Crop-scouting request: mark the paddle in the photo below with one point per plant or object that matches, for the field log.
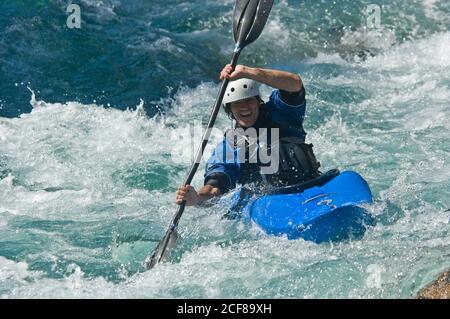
(249, 19)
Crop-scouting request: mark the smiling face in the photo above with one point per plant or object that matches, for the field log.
(246, 111)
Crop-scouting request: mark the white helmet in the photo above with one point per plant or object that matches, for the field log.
(241, 89)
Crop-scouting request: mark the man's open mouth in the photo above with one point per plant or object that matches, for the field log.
(245, 114)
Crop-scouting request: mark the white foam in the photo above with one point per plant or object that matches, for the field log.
(323, 58)
(430, 53)
(3, 132)
(65, 159)
(431, 10)
(15, 275)
(103, 11)
(213, 281)
(363, 39)
(7, 183)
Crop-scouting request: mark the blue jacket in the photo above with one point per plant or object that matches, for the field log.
(286, 112)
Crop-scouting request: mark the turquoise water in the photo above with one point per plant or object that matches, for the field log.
(93, 146)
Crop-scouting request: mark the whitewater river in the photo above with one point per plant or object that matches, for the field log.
(94, 143)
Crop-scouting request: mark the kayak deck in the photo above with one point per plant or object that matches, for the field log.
(322, 213)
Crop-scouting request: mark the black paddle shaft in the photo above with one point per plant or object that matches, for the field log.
(205, 138)
(154, 259)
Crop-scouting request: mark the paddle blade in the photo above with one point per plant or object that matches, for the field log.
(238, 15)
(163, 250)
(249, 19)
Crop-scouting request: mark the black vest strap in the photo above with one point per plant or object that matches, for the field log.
(297, 162)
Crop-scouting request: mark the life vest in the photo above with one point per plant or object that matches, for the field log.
(297, 162)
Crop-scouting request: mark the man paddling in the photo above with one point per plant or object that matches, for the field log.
(284, 112)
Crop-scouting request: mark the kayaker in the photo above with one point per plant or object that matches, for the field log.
(284, 112)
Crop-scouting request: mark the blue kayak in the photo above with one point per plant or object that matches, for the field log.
(329, 211)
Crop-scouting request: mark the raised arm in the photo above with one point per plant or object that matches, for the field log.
(281, 80)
